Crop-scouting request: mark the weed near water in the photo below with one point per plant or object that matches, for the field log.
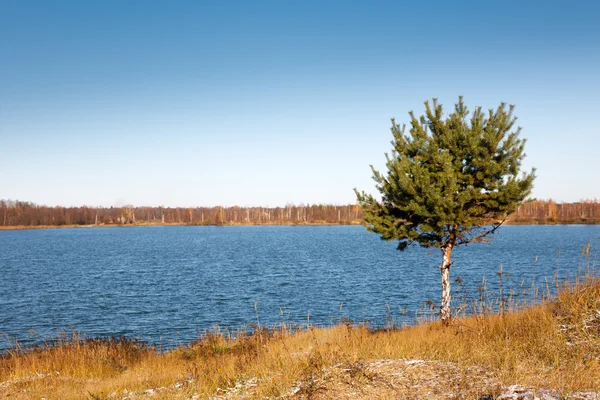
(535, 339)
(555, 344)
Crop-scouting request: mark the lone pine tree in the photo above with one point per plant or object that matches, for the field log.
(452, 180)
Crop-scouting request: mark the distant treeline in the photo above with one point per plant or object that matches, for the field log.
(21, 213)
(550, 212)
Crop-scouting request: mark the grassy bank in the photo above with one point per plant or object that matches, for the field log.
(553, 345)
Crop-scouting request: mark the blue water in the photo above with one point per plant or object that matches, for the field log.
(167, 284)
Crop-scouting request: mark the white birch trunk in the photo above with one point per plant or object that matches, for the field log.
(445, 305)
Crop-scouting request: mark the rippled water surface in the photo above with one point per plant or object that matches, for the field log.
(165, 284)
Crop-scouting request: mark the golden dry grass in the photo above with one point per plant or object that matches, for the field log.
(552, 345)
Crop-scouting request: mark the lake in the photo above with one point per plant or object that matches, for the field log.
(167, 284)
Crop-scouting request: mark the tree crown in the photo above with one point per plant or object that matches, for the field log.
(450, 180)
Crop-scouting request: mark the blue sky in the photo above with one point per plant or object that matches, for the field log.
(267, 103)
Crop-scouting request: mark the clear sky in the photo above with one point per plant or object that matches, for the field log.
(253, 103)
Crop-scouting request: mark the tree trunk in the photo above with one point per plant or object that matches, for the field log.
(445, 305)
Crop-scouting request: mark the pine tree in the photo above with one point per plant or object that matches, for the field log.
(451, 181)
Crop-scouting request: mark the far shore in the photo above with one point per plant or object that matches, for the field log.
(510, 222)
(22, 227)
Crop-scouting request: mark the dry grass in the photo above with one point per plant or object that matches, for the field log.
(552, 345)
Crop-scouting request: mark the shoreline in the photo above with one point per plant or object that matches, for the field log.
(26, 227)
(524, 352)
(71, 226)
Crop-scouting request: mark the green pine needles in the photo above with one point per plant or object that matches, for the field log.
(452, 180)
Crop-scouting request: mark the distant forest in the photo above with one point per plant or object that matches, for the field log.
(550, 212)
(17, 213)
(21, 213)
